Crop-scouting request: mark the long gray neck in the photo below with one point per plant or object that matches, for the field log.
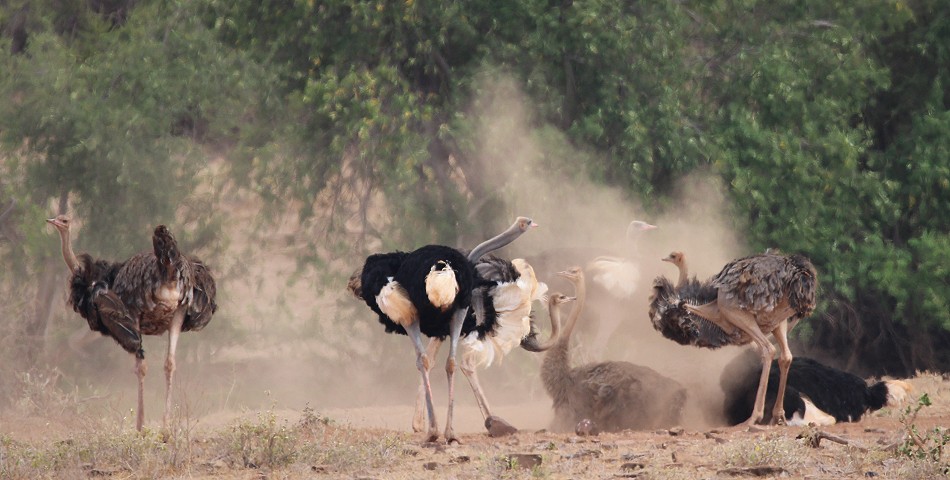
(580, 289)
(495, 243)
(71, 261)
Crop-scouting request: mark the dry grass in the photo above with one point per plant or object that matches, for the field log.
(268, 444)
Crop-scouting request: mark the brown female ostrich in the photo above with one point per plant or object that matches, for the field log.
(150, 293)
(614, 395)
(750, 298)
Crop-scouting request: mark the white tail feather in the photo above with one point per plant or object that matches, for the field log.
(512, 302)
(616, 275)
(393, 300)
(813, 416)
(441, 287)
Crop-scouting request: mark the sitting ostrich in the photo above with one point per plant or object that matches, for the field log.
(750, 298)
(149, 294)
(427, 292)
(815, 393)
(613, 395)
(500, 319)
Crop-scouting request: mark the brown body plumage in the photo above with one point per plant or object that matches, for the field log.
(149, 294)
(613, 395)
(758, 295)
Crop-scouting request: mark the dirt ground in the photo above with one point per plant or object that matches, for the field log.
(376, 443)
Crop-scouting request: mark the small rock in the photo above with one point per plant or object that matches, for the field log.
(676, 431)
(498, 427)
(633, 466)
(430, 465)
(870, 474)
(526, 461)
(318, 468)
(461, 459)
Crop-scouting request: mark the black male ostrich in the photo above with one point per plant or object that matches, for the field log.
(755, 296)
(427, 292)
(613, 395)
(815, 393)
(150, 293)
(500, 319)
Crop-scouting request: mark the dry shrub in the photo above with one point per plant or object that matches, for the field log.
(343, 449)
(773, 451)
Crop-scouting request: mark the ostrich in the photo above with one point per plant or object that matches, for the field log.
(815, 393)
(614, 395)
(427, 292)
(614, 280)
(499, 320)
(148, 294)
(620, 275)
(750, 298)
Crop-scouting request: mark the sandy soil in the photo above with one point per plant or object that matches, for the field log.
(868, 451)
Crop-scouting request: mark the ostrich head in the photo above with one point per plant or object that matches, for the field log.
(638, 226)
(61, 222)
(524, 223)
(676, 258)
(573, 274)
(557, 299)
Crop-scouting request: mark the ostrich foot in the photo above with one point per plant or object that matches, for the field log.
(498, 427)
(778, 420)
(432, 437)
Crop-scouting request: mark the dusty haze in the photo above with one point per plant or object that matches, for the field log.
(289, 346)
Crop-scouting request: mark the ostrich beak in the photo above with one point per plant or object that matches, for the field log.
(666, 259)
(647, 226)
(54, 222)
(570, 299)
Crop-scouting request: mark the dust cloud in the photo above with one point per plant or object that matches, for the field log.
(288, 345)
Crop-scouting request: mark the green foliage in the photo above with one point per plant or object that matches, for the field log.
(927, 445)
(108, 118)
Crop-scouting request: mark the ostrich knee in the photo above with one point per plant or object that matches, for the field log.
(450, 366)
(422, 363)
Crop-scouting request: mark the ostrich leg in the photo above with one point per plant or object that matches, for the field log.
(173, 332)
(471, 373)
(457, 319)
(423, 364)
(140, 369)
(419, 417)
(746, 322)
(784, 362)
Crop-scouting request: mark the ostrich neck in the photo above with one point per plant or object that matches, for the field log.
(556, 367)
(580, 291)
(495, 243)
(684, 274)
(71, 261)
